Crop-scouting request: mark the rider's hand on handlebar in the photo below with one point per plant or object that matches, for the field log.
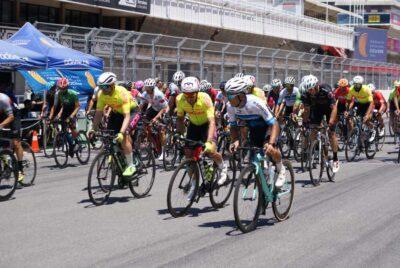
(210, 147)
(233, 147)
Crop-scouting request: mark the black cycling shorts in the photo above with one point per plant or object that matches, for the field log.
(197, 133)
(362, 108)
(150, 113)
(258, 135)
(14, 126)
(317, 113)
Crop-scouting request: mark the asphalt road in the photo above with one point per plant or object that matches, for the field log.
(350, 223)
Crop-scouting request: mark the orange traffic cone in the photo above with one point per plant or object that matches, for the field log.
(35, 142)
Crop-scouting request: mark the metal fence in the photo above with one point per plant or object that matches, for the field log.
(135, 55)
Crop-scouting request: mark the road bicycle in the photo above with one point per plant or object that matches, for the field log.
(360, 139)
(108, 166)
(319, 159)
(172, 151)
(49, 133)
(8, 174)
(185, 186)
(64, 140)
(255, 189)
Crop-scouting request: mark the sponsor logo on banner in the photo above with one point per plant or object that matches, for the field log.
(370, 44)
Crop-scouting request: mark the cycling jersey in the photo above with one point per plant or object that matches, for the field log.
(320, 104)
(200, 112)
(378, 99)
(258, 93)
(341, 94)
(172, 91)
(393, 93)
(220, 98)
(255, 113)
(67, 98)
(120, 101)
(213, 94)
(289, 99)
(363, 96)
(273, 98)
(157, 102)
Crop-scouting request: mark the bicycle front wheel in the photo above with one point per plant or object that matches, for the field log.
(8, 174)
(284, 197)
(220, 194)
(316, 163)
(183, 188)
(48, 138)
(82, 148)
(247, 200)
(101, 178)
(145, 172)
(170, 153)
(60, 150)
(29, 165)
(351, 148)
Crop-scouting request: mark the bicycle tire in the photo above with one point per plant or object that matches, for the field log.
(352, 140)
(103, 157)
(228, 185)
(48, 139)
(60, 142)
(151, 162)
(196, 175)
(370, 154)
(281, 216)
(29, 160)
(170, 149)
(8, 173)
(297, 145)
(82, 142)
(315, 180)
(240, 223)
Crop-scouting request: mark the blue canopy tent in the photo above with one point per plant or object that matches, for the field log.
(18, 58)
(58, 56)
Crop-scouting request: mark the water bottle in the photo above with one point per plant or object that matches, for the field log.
(209, 172)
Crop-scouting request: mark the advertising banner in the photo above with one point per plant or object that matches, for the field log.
(370, 44)
(80, 81)
(393, 45)
(293, 6)
(142, 6)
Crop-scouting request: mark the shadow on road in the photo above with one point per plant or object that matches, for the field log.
(110, 201)
(192, 212)
(232, 224)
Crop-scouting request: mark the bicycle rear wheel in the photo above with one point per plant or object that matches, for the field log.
(170, 152)
(8, 174)
(316, 163)
(184, 181)
(82, 148)
(284, 197)
(145, 174)
(61, 148)
(220, 194)
(247, 200)
(48, 138)
(29, 165)
(101, 178)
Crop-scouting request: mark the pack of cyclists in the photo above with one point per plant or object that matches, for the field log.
(252, 116)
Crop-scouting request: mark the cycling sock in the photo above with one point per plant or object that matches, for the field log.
(221, 165)
(335, 158)
(129, 159)
(279, 166)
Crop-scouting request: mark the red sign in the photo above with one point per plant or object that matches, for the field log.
(395, 19)
(393, 44)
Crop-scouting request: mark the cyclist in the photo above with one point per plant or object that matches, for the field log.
(174, 90)
(273, 95)
(93, 101)
(48, 101)
(259, 120)
(69, 107)
(361, 97)
(206, 87)
(289, 98)
(318, 102)
(394, 108)
(157, 103)
(122, 105)
(252, 89)
(200, 110)
(10, 118)
(380, 105)
(220, 104)
(136, 89)
(340, 94)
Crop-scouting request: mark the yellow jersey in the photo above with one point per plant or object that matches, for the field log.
(364, 96)
(120, 101)
(258, 93)
(200, 112)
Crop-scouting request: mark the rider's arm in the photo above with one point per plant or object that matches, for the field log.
(125, 123)
(96, 120)
(90, 105)
(7, 121)
(77, 106)
(332, 119)
(274, 133)
(44, 106)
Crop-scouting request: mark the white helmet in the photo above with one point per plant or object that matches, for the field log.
(106, 79)
(150, 82)
(276, 83)
(358, 79)
(236, 85)
(190, 84)
(302, 88)
(203, 85)
(250, 80)
(310, 81)
(290, 80)
(266, 88)
(178, 76)
(372, 87)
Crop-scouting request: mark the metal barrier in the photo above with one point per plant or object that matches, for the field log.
(136, 55)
